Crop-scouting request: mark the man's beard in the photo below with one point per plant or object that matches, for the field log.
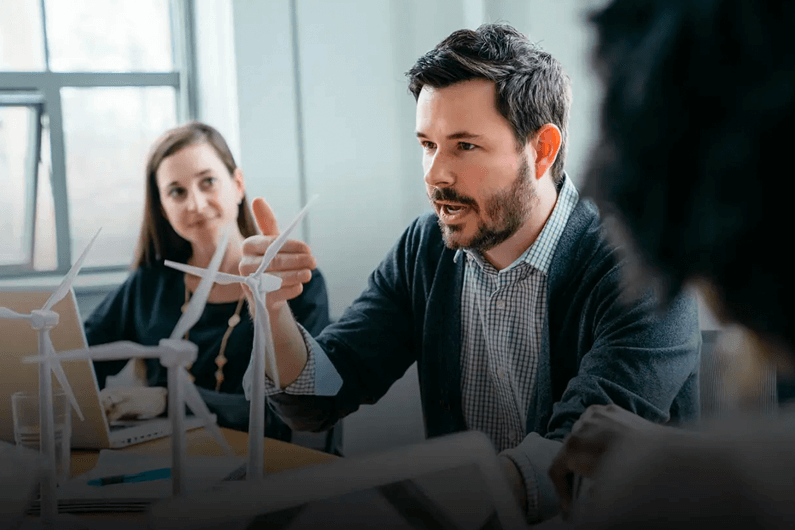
(508, 209)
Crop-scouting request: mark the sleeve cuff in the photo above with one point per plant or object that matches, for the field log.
(532, 458)
(318, 378)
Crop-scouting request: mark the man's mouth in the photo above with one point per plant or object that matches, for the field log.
(451, 211)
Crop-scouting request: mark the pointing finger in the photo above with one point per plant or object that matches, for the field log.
(264, 217)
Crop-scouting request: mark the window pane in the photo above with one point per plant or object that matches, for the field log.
(45, 256)
(21, 40)
(109, 35)
(108, 133)
(16, 133)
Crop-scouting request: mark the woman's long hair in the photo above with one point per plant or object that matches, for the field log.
(157, 240)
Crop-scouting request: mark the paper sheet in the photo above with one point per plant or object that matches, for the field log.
(202, 472)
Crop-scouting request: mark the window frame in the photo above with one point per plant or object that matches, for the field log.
(34, 101)
(49, 84)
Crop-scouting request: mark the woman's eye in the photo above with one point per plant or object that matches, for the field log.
(176, 193)
(208, 182)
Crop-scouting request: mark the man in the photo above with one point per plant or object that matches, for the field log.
(507, 296)
(696, 142)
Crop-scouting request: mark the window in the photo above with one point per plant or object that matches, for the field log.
(86, 87)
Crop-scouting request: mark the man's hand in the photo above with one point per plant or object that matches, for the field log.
(293, 264)
(133, 403)
(599, 429)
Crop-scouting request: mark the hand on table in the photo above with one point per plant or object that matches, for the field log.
(133, 402)
(599, 429)
(293, 264)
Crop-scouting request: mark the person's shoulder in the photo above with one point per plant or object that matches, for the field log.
(425, 228)
(425, 222)
(586, 255)
(585, 233)
(423, 238)
(151, 275)
(585, 219)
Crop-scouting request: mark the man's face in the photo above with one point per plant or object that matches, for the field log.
(480, 185)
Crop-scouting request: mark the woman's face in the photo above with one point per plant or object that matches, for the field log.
(198, 195)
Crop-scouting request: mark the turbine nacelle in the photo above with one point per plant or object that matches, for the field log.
(43, 319)
(177, 352)
(264, 283)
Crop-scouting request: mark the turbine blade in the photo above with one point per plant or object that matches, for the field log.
(279, 242)
(197, 405)
(184, 267)
(270, 282)
(225, 279)
(57, 369)
(111, 351)
(66, 283)
(196, 305)
(7, 313)
(220, 277)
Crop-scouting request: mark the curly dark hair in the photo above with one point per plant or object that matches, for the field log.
(532, 88)
(696, 123)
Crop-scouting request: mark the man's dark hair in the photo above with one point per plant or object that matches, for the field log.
(695, 147)
(532, 88)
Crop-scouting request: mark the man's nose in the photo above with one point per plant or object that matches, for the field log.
(439, 171)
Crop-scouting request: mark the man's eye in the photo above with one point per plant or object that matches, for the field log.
(428, 146)
(466, 146)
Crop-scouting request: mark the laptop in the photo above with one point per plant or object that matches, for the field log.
(454, 482)
(18, 340)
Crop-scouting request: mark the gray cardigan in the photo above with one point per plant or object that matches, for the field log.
(597, 347)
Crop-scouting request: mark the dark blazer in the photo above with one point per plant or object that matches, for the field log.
(598, 347)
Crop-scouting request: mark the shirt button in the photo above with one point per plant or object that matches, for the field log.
(501, 373)
(500, 304)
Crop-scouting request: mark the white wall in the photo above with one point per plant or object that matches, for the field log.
(360, 153)
(216, 72)
(266, 99)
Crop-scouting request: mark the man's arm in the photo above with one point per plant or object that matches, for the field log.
(368, 349)
(639, 359)
(293, 264)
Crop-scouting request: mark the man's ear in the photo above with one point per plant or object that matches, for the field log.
(546, 145)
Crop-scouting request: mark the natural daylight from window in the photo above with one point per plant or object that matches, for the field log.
(85, 89)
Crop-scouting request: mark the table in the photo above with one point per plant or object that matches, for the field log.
(279, 456)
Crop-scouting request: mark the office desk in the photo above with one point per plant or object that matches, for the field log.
(279, 456)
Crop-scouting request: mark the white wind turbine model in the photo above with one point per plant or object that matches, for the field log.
(260, 284)
(175, 353)
(43, 320)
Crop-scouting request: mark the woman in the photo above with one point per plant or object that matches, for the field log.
(194, 190)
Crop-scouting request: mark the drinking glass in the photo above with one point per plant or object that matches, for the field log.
(25, 411)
